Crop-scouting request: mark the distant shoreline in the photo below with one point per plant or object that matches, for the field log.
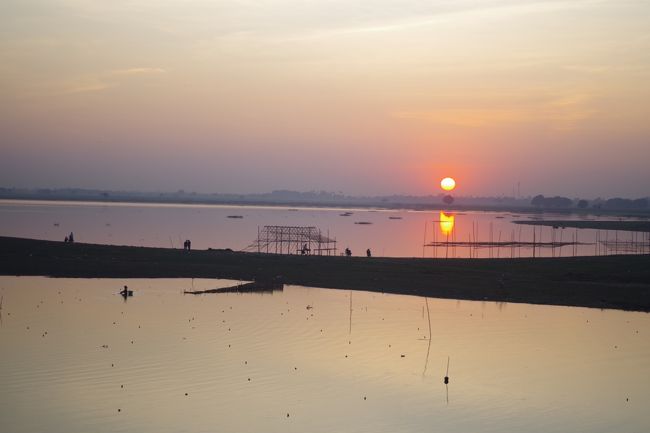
(617, 282)
(341, 206)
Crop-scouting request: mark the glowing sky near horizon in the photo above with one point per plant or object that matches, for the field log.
(364, 97)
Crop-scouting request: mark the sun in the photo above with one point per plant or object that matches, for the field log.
(448, 184)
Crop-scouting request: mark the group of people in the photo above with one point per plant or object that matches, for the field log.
(69, 238)
(348, 252)
(187, 245)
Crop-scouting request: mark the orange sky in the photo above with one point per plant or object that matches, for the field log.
(366, 98)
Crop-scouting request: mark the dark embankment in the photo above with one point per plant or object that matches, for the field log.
(621, 282)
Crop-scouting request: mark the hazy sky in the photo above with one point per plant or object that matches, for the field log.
(359, 96)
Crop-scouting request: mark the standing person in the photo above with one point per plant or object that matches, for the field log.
(189, 245)
(71, 238)
(184, 245)
(368, 253)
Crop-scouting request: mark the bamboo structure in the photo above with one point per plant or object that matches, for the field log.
(305, 240)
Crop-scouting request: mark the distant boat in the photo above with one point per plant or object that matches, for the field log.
(235, 216)
(345, 214)
(126, 292)
(394, 218)
(363, 222)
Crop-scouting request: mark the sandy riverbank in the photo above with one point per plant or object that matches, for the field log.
(621, 282)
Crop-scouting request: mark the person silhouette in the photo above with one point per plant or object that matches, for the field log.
(368, 253)
(71, 238)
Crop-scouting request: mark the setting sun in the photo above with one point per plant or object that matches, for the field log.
(448, 184)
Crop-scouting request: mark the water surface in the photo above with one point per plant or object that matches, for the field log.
(77, 358)
(392, 233)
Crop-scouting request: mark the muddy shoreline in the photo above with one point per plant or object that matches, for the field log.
(618, 282)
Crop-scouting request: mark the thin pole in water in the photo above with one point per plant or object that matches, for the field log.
(447, 373)
(447, 247)
(499, 245)
(426, 362)
(425, 237)
(350, 329)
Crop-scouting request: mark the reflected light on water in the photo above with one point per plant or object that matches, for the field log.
(446, 223)
(76, 358)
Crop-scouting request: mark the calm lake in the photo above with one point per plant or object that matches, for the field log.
(396, 233)
(75, 357)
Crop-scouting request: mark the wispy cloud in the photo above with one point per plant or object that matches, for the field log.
(137, 71)
(560, 113)
(83, 85)
(448, 10)
(100, 82)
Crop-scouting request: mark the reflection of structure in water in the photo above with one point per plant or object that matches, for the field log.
(258, 286)
(304, 240)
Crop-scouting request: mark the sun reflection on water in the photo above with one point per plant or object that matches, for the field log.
(446, 223)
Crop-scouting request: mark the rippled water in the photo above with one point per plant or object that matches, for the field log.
(76, 358)
(394, 233)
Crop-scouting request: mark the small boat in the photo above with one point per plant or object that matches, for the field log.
(394, 218)
(363, 223)
(235, 216)
(345, 214)
(126, 292)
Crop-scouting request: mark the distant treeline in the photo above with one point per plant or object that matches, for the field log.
(278, 197)
(326, 198)
(617, 203)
